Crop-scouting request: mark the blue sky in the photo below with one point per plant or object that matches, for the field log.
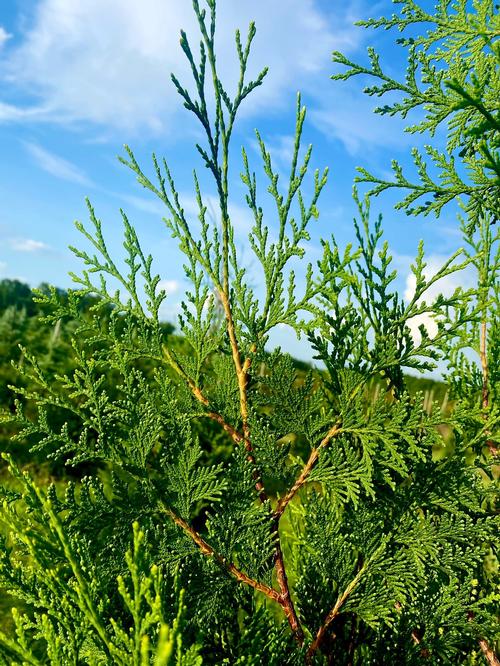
(80, 79)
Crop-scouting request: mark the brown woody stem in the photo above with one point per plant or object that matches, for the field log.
(424, 652)
(306, 471)
(316, 644)
(195, 390)
(285, 597)
(227, 427)
(488, 653)
(208, 551)
(242, 370)
(484, 365)
(201, 397)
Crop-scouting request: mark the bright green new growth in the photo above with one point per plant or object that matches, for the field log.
(60, 584)
(335, 530)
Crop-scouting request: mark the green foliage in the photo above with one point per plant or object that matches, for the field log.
(330, 530)
(71, 621)
(453, 80)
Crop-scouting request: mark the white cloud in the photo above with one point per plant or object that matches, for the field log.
(4, 36)
(280, 147)
(12, 113)
(152, 206)
(170, 286)
(108, 61)
(445, 286)
(3, 266)
(346, 114)
(28, 245)
(241, 216)
(57, 166)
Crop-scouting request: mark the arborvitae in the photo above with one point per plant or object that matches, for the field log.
(336, 531)
(452, 79)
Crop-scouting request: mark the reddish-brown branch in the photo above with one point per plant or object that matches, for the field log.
(232, 432)
(242, 370)
(242, 376)
(231, 332)
(243, 384)
(306, 471)
(201, 397)
(320, 635)
(424, 652)
(484, 365)
(208, 551)
(195, 390)
(288, 606)
(488, 652)
(285, 597)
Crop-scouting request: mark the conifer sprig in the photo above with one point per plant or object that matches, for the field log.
(60, 583)
(453, 77)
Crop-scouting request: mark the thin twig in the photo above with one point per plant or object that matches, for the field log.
(201, 397)
(242, 370)
(484, 365)
(424, 652)
(232, 432)
(306, 471)
(175, 365)
(489, 654)
(284, 598)
(207, 550)
(316, 644)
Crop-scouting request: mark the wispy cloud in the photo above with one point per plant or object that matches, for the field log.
(28, 245)
(346, 114)
(121, 53)
(57, 166)
(151, 206)
(241, 216)
(12, 113)
(281, 149)
(4, 36)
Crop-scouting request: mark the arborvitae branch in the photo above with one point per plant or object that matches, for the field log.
(306, 471)
(452, 75)
(320, 634)
(208, 551)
